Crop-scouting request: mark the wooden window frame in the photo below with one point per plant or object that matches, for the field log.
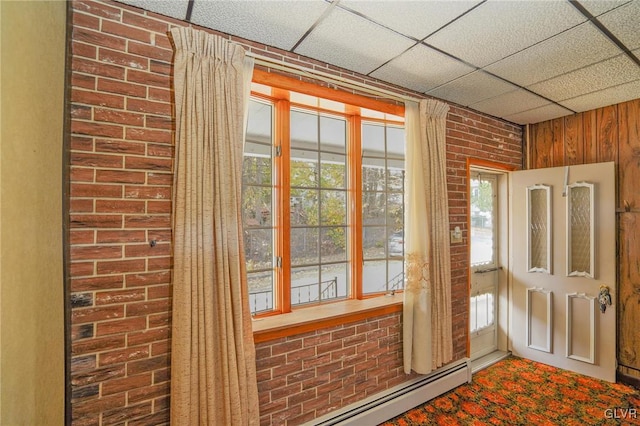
(288, 320)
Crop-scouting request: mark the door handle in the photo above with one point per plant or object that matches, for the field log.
(484, 271)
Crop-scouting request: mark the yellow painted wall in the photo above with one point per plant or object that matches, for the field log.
(32, 36)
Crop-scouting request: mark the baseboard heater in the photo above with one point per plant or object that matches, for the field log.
(385, 405)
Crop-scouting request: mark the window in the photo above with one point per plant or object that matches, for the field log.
(323, 197)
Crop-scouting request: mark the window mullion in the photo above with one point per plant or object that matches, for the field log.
(354, 201)
(282, 235)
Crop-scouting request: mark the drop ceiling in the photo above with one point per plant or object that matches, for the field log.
(522, 60)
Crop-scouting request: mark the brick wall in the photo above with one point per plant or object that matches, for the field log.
(120, 164)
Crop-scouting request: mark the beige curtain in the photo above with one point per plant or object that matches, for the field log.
(213, 377)
(427, 298)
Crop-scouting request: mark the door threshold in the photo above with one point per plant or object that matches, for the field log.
(487, 360)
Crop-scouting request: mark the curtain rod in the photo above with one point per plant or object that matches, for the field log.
(327, 78)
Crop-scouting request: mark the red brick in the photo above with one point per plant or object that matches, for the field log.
(119, 296)
(95, 252)
(96, 283)
(81, 206)
(84, 315)
(122, 415)
(144, 22)
(126, 31)
(81, 174)
(152, 52)
(154, 150)
(119, 206)
(81, 237)
(148, 336)
(96, 129)
(146, 250)
(150, 107)
(152, 221)
(147, 392)
(146, 308)
(81, 112)
(127, 236)
(161, 320)
(80, 143)
(148, 192)
(97, 99)
(159, 178)
(124, 147)
(135, 367)
(120, 326)
(158, 122)
(97, 38)
(148, 78)
(96, 221)
(119, 176)
(152, 278)
(158, 207)
(123, 59)
(147, 163)
(148, 135)
(120, 266)
(131, 353)
(90, 190)
(87, 21)
(158, 263)
(119, 117)
(87, 346)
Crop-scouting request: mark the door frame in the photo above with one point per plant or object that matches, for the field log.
(502, 318)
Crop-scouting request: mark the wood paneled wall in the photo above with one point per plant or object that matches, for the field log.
(606, 134)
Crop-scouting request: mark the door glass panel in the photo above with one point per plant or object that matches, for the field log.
(483, 236)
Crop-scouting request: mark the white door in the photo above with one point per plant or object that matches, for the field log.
(483, 314)
(563, 254)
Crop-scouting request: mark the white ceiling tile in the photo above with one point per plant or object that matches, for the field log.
(415, 19)
(421, 69)
(598, 7)
(279, 23)
(610, 96)
(612, 72)
(624, 23)
(536, 115)
(346, 40)
(472, 88)
(578, 47)
(497, 29)
(174, 8)
(510, 103)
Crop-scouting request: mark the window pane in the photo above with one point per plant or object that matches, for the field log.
(304, 172)
(304, 130)
(373, 208)
(333, 244)
(395, 210)
(304, 246)
(482, 224)
(334, 208)
(256, 206)
(383, 205)
(396, 177)
(373, 140)
(260, 122)
(261, 291)
(374, 241)
(258, 249)
(395, 142)
(333, 170)
(304, 207)
(333, 135)
(305, 285)
(334, 281)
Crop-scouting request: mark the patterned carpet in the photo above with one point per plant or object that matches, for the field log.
(517, 391)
